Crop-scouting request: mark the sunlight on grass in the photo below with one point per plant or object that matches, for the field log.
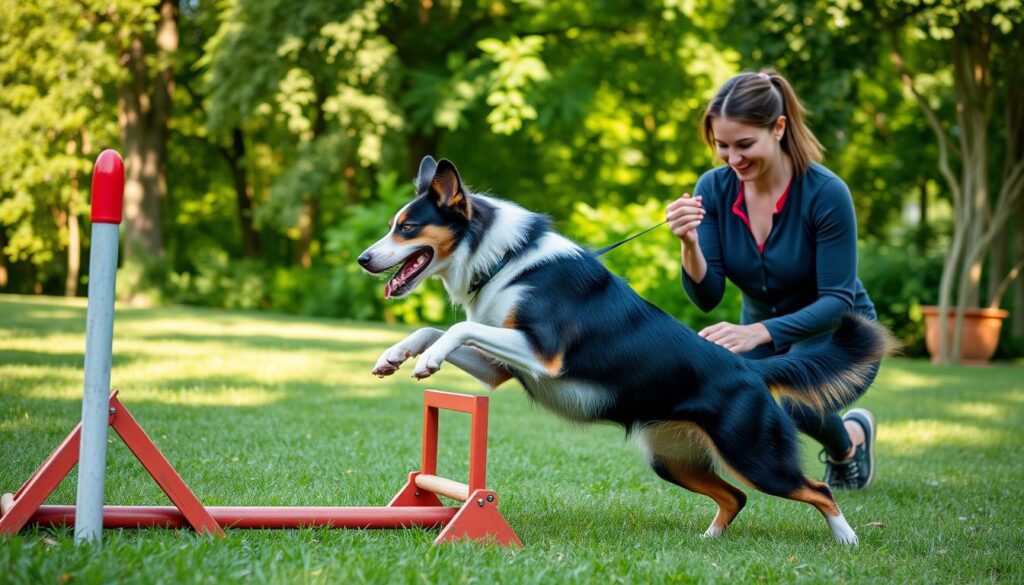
(38, 378)
(982, 410)
(381, 392)
(1015, 396)
(55, 344)
(225, 326)
(916, 436)
(15, 424)
(56, 314)
(49, 302)
(904, 380)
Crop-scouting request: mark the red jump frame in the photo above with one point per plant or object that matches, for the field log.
(415, 505)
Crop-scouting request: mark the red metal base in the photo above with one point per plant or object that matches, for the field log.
(257, 517)
(17, 510)
(477, 519)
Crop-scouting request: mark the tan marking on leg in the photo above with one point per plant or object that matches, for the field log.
(510, 320)
(812, 494)
(730, 499)
(671, 437)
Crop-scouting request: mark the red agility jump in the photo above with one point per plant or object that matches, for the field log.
(416, 504)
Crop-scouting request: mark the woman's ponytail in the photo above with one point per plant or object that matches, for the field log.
(798, 141)
(759, 99)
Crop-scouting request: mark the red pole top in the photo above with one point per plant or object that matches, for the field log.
(107, 188)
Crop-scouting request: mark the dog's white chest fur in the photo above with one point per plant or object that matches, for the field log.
(572, 399)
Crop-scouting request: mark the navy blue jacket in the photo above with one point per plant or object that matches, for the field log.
(804, 278)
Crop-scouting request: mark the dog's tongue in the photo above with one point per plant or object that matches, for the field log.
(410, 266)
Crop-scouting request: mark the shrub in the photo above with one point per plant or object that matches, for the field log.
(900, 279)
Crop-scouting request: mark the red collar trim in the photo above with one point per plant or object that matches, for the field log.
(739, 211)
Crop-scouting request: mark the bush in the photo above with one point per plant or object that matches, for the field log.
(219, 281)
(900, 279)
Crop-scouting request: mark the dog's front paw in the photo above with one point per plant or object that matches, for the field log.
(389, 361)
(426, 366)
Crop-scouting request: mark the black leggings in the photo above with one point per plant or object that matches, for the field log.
(827, 429)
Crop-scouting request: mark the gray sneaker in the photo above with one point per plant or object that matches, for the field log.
(858, 471)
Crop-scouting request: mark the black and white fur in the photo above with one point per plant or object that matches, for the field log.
(586, 346)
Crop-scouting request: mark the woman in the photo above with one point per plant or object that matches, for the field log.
(781, 227)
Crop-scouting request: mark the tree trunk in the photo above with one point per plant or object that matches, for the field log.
(1017, 324)
(74, 241)
(997, 264)
(4, 272)
(1014, 153)
(308, 217)
(243, 195)
(307, 225)
(145, 108)
(924, 235)
(33, 271)
(972, 77)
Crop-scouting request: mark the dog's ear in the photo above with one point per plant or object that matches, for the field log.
(428, 166)
(447, 189)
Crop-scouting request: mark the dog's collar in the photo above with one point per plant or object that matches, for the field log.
(480, 281)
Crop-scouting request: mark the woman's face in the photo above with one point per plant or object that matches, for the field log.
(751, 151)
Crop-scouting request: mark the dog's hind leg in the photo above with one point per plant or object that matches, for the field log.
(764, 455)
(786, 481)
(819, 495)
(702, 479)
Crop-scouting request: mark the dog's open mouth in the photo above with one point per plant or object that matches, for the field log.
(405, 279)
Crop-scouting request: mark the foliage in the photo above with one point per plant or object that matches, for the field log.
(884, 269)
(296, 126)
(56, 114)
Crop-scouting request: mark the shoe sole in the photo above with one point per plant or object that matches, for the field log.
(864, 418)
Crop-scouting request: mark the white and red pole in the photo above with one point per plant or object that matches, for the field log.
(107, 202)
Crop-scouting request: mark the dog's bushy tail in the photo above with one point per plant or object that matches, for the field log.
(834, 374)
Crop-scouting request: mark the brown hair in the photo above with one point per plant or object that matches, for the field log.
(758, 99)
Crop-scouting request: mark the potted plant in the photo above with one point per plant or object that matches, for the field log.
(979, 335)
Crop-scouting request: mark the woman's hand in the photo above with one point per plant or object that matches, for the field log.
(684, 215)
(737, 338)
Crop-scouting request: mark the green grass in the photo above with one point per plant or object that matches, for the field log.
(256, 409)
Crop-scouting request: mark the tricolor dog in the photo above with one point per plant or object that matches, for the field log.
(583, 344)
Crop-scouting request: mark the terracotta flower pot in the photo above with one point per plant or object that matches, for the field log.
(980, 336)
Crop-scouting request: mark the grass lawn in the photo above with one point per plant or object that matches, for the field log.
(256, 409)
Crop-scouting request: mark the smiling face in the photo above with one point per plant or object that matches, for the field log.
(751, 151)
(423, 234)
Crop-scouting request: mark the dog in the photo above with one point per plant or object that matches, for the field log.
(543, 310)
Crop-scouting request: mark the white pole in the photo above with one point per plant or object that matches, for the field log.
(107, 197)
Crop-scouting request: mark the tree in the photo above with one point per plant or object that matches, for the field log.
(981, 42)
(55, 74)
(149, 39)
(314, 80)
